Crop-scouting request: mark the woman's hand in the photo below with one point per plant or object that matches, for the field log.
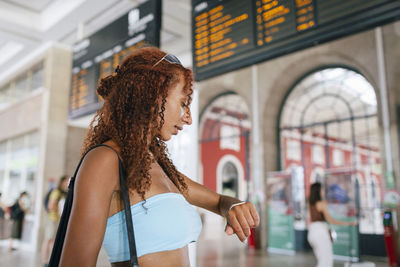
(240, 219)
(322, 207)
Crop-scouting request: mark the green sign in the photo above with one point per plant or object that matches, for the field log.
(389, 177)
(280, 230)
(342, 205)
(346, 243)
(280, 213)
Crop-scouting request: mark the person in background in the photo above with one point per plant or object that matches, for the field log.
(54, 211)
(18, 210)
(318, 231)
(3, 209)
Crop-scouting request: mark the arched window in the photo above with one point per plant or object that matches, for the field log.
(224, 144)
(329, 122)
(230, 179)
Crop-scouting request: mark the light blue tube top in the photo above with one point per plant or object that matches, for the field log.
(169, 223)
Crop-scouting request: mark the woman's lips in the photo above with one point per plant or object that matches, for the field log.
(177, 129)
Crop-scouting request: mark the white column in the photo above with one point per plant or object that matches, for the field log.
(257, 166)
(80, 31)
(41, 169)
(53, 128)
(389, 178)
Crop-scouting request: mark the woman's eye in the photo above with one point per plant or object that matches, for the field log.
(183, 104)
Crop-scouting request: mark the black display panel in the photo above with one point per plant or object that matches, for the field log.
(98, 55)
(232, 34)
(222, 32)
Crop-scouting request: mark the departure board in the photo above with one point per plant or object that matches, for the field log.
(222, 32)
(98, 55)
(231, 34)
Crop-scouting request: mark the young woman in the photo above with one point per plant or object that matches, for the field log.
(146, 101)
(318, 231)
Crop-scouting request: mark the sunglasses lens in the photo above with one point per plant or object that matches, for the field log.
(172, 59)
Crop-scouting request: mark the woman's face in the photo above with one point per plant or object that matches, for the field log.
(64, 185)
(176, 113)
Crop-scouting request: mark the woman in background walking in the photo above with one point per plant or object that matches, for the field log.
(318, 231)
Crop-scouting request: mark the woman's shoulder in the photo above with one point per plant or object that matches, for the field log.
(103, 153)
(100, 164)
(321, 204)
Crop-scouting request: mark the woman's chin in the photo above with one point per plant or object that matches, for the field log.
(165, 137)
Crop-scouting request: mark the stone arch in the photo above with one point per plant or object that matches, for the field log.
(281, 88)
(334, 125)
(224, 132)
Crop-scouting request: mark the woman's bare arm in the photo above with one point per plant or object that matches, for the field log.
(94, 185)
(240, 218)
(321, 207)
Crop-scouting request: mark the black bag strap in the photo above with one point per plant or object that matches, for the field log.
(63, 225)
(128, 216)
(62, 228)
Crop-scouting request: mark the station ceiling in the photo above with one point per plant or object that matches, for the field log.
(28, 27)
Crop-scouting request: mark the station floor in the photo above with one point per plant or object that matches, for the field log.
(213, 249)
(222, 252)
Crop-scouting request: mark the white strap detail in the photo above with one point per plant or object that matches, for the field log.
(237, 204)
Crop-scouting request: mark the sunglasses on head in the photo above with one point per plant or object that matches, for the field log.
(170, 59)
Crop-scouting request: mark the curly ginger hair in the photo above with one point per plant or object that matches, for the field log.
(133, 114)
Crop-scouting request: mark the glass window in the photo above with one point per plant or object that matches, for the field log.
(21, 86)
(37, 77)
(335, 113)
(16, 166)
(318, 154)
(32, 149)
(19, 172)
(14, 186)
(2, 174)
(230, 137)
(30, 184)
(5, 96)
(337, 157)
(3, 151)
(17, 149)
(229, 179)
(32, 152)
(293, 150)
